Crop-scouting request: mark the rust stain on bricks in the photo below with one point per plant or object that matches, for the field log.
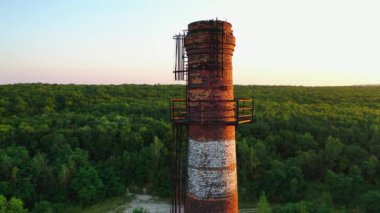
(212, 179)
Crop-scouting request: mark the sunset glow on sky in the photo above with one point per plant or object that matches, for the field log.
(294, 42)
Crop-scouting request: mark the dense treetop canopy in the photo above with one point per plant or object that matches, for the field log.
(309, 147)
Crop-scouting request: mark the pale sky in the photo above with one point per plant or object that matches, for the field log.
(284, 42)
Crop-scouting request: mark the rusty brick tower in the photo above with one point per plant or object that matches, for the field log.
(204, 122)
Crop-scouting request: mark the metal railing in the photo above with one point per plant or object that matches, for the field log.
(215, 112)
(180, 66)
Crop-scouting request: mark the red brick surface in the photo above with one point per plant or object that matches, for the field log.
(209, 46)
(223, 205)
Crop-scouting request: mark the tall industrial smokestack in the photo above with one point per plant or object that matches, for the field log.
(212, 179)
(211, 114)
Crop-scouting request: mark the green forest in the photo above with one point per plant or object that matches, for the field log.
(310, 149)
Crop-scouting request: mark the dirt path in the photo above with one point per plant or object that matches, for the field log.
(155, 205)
(149, 203)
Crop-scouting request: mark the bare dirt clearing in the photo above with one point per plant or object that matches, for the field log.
(149, 203)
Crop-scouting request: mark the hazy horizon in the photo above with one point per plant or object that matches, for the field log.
(170, 84)
(323, 43)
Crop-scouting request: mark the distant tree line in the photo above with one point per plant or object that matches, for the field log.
(311, 149)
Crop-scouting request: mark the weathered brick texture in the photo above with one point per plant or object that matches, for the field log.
(212, 179)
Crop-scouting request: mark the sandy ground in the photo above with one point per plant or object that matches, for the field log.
(154, 205)
(149, 203)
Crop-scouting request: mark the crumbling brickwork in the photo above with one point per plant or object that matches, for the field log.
(212, 178)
